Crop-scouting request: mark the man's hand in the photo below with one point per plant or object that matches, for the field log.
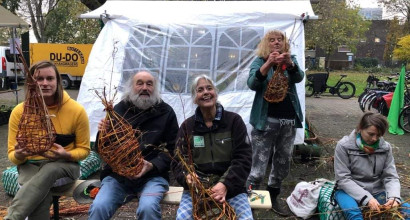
(145, 169)
(189, 178)
(219, 192)
(20, 153)
(57, 152)
(374, 205)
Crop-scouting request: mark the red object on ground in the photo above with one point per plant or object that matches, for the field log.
(388, 99)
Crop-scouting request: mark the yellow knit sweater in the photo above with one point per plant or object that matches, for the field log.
(71, 118)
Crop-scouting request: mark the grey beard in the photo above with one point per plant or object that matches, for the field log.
(143, 103)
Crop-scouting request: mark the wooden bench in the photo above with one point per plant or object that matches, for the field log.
(173, 196)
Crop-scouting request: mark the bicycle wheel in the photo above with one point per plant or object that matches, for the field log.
(404, 118)
(366, 100)
(346, 90)
(383, 109)
(361, 98)
(309, 90)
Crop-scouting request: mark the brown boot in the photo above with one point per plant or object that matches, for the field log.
(276, 206)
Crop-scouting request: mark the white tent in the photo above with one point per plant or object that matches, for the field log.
(8, 19)
(178, 40)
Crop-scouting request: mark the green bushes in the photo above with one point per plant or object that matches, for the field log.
(366, 62)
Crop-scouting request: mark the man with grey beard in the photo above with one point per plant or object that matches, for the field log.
(144, 109)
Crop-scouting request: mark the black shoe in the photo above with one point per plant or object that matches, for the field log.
(282, 210)
(279, 209)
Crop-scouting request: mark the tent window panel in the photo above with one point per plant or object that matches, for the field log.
(226, 81)
(242, 79)
(152, 57)
(154, 40)
(192, 75)
(176, 40)
(176, 81)
(177, 57)
(147, 35)
(132, 58)
(200, 58)
(250, 37)
(227, 59)
(225, 41)
(180, 36)
(247, 56)
(235, 35)
(201, 36)
(137, 38)
(126, 75)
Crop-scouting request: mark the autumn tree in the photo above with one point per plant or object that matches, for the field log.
(338, 25)
(402, 51)
(64, 26)
(57, 21)
(395, 31)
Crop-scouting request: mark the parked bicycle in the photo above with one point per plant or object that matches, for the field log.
(317, 84)
(404, 117)
(376, 93)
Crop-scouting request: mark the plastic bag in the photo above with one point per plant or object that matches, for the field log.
(304, 198)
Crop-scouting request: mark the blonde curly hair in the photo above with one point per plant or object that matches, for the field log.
(263, 49)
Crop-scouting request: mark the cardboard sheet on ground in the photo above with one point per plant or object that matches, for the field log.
(178, 40)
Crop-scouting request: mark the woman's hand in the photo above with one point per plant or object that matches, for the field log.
(57, 152)
(103, 123)
(219, 192)
(391, 203)
(374, 205)
(20, 153)
(273, 58)
(280, 58)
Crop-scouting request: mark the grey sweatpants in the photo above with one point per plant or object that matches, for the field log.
(277, 141)
(34, 197)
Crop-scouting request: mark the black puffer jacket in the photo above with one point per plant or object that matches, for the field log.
(159, 126)
(223, 150)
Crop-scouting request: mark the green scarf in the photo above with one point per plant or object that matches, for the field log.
(368, 148)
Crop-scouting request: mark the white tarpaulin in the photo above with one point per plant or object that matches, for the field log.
(8, 19)
(178, 40)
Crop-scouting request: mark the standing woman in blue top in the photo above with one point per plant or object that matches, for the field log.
(365, 172)
(274, 124)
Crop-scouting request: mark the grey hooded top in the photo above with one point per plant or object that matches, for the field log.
(362, 175)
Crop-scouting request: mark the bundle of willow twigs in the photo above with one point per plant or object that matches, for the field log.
(69, 207)
(118, 143)
(204, 206)
(36, 133)
(385, 213)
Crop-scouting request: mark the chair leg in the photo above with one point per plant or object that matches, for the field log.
(55, 207)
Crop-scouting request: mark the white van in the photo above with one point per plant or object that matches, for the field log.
(8, 69)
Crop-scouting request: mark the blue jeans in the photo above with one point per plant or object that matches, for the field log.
(351, 210)
(113, 194)
(239, 203)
